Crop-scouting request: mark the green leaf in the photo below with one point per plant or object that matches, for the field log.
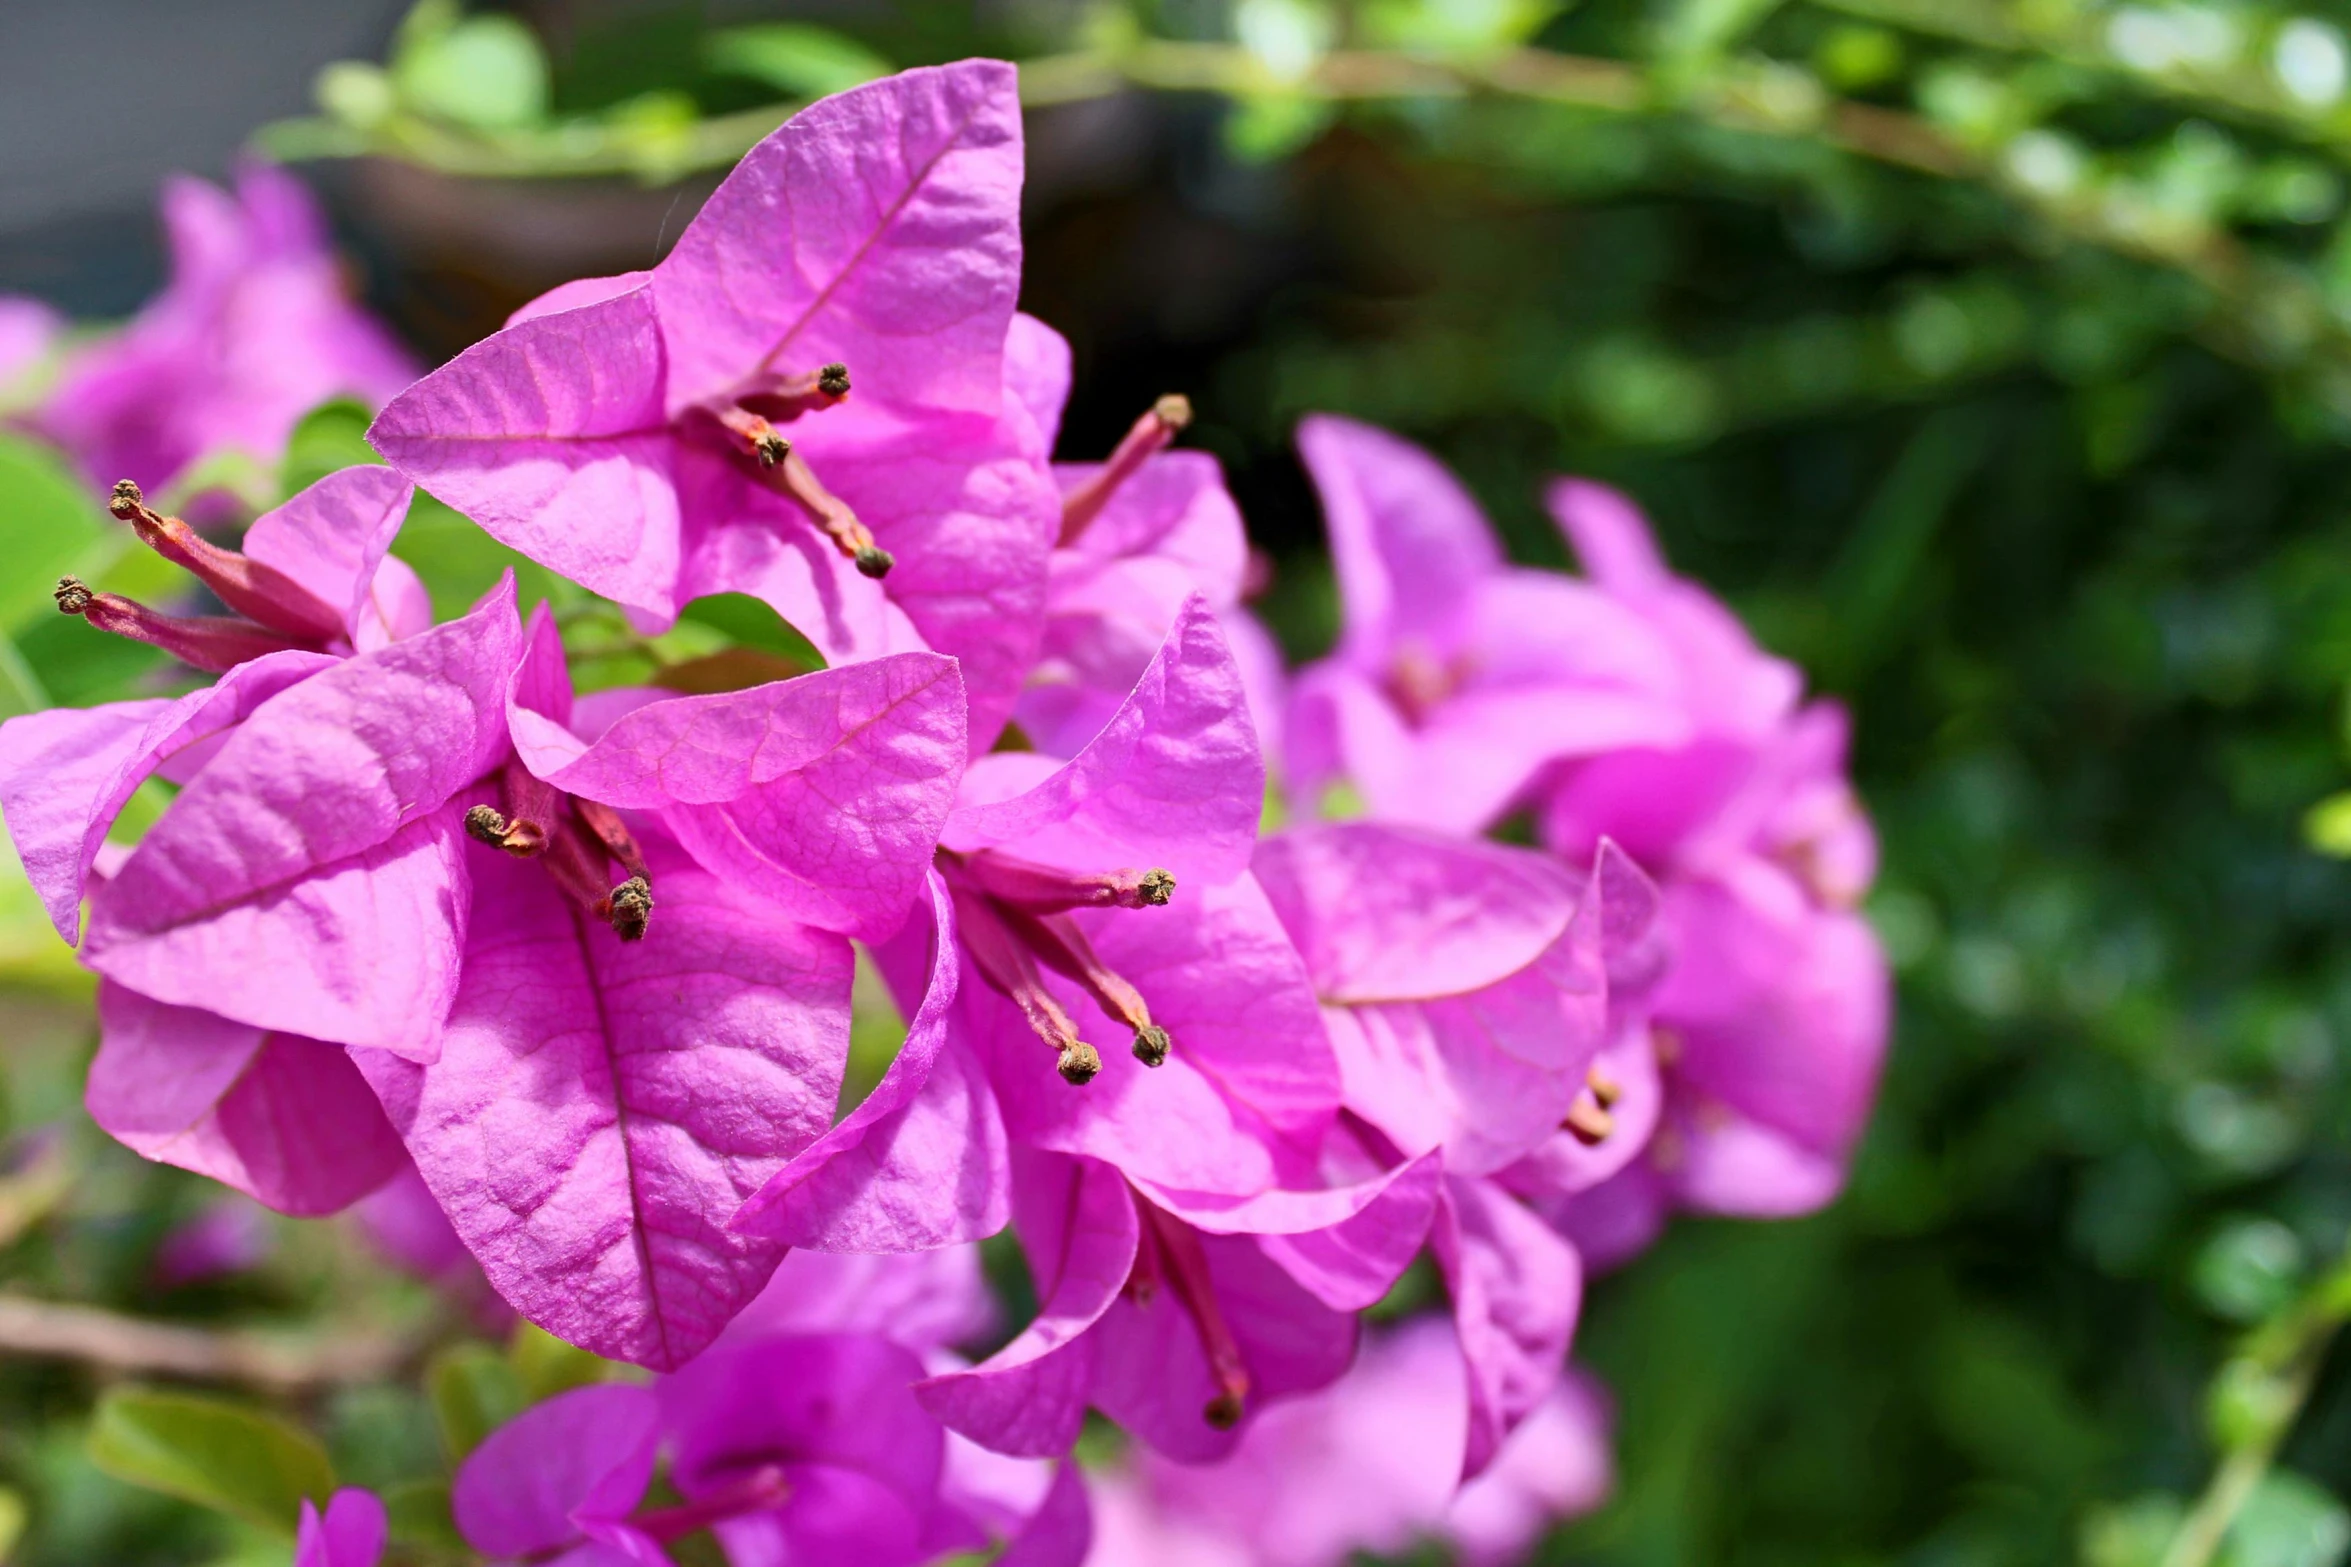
(474, 1391)
(235, 1459)
(486, 73)
(458, 562)
(2288, 1522)
(2326, 827)
(12, 1521)
(331, 436)
(753, 623)
(795, 59)
(418, 1511)
(49, 523)
(548, 1366)
(21, 690)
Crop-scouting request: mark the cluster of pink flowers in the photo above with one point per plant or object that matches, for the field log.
(580, 965)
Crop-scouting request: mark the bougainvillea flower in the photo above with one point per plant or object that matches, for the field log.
(283, 1118)
(1120, 987)
(690, 430)
(316, 567)
(1770, 1025)
(1139, 534)
(301, 882)
(622, 1067)
(559, 1482)
(349, 1534)
(1179, 1316)
(1466, 989)
(787, 1449)
(1362, 1467)
(1458, 678)
(253, 331)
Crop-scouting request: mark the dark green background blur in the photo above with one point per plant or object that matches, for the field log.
(2041, 466)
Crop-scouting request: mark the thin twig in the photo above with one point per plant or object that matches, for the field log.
(48, 1330)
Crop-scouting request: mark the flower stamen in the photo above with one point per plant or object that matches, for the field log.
(1148, 436)
(1183, 1263)
(259, 592)
(217, 643)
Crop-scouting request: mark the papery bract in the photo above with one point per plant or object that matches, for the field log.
(1457, 678)
(618, 430)
(1363, 1466)
(1246, 1090)
(557, 1484)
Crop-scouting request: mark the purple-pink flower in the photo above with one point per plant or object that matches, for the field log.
(1363, 1466)
(692, 429)
(254, 330)
(350, 1533)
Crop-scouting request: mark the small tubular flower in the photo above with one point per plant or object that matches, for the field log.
(1066, 1006)
(1179, 1315)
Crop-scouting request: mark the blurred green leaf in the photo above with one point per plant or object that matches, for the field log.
(546, 1365)
(231, 1457)
(794, 58)
(419, 1516)
(458, 562)
(49, 524)
(485, 72)
(474, 1390)
(2288, 1521)
(12, 1521)
(331, 436)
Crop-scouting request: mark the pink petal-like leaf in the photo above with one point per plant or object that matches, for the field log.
(823, 794)
(551, 434)
(921, 1162)
(332, 537)
(881, 228)
(65, 773)
(285, 1120)
(601, 1108)
(582, 1456)
(1517, 1288)
(1077, 1223)
(302, 881)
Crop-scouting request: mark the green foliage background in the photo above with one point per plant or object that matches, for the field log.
(1992, 356)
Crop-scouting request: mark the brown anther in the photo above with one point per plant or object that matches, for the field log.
(771, 448)
(73, 595)
(833, 379)
(1588, 1122)
(1151, 1045)
(1223, 1411)
(1156, 888)
(1604, 1088)
(629, 908)
(1174, 410)
(259, 592)
(519, 837)
(1079, 1063)
(874, 561)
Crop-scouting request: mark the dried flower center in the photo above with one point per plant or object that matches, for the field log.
(273, 612)
(577, 840)
(745, 420)
(1149, 436)
(1014, 921)
(1168, 1252)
